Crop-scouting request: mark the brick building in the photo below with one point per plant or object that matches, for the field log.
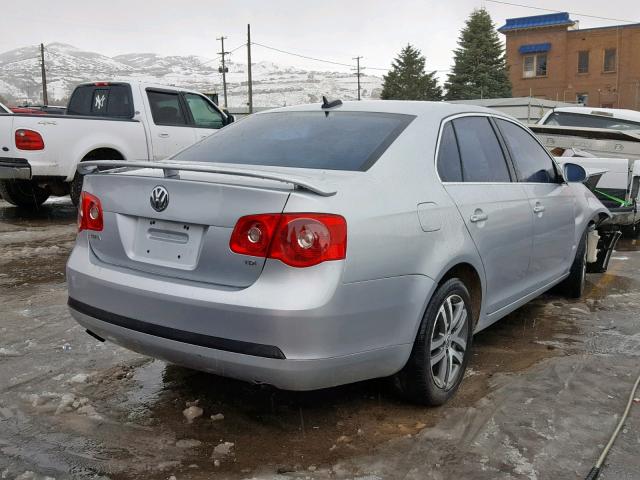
(550, 57)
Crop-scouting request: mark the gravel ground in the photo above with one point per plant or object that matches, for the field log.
(543, 393)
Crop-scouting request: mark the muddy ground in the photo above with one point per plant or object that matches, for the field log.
(542, 394)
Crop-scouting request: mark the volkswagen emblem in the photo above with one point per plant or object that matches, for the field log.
(159, 198)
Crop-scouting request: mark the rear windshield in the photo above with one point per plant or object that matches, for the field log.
(590, 121)
(112, 100)
(322, 140)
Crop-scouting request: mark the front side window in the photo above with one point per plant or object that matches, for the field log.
(305, 139)
(166, 108)
(449, 166)
(583, 61)
(480, 151)
(531, 160)
(203, 113)
(535, 65)
(609, 60)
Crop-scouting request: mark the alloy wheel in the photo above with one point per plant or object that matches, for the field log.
(449, 342)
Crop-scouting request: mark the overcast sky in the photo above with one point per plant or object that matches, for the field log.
(330, 29)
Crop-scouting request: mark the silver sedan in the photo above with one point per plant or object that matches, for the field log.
(318, 245)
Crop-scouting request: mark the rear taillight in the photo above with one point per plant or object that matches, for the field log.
(90, 213)
(28, 140)
(297, 239)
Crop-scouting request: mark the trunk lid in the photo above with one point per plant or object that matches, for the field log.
(189, 239)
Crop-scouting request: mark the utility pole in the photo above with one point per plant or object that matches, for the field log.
(45, 99)
(223, 70)
(249, 80)
(357, 59)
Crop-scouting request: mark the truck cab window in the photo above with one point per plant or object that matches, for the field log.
(204, 114)
(166, 108)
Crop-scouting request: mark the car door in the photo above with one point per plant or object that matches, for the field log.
(205, 117)
(494, 207)
(170, 129)
(551, 201)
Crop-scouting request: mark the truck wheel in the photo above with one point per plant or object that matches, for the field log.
(441, 351)
(573, 285)
(75, 188)
(23, 193)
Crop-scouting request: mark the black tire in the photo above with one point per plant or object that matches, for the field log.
(419, 381)
(75, 188)
(573, 286)
(23, 193)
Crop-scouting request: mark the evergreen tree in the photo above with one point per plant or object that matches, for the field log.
(480, 67)
(407, 79)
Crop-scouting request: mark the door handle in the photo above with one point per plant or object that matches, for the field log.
(163, 135)
(479, 216)
(538, 208)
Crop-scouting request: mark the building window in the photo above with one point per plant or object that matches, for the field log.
(582, 98)
(583, 61)
(535, 66)
(609, 60)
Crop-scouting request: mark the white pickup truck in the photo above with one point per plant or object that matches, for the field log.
(39, 154)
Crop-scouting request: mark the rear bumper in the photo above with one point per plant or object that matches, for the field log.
(288, 374)
(14, 169)
(297, 329)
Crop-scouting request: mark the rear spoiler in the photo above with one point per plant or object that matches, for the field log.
(171, 170)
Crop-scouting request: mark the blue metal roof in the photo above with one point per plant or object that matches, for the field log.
(537, 21)
(535, 48)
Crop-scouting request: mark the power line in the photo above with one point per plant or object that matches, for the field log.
(238, 47)
(230, 51)
(332, 61)
(559, 11)
(303, 56)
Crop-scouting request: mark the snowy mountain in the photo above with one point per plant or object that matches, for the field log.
(273, 85)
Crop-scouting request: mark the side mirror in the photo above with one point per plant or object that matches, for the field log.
(230, 118)
(574, 173)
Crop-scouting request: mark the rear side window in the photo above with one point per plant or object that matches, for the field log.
(102, 100)
(567, 119)
(531, 160)
(204, 114)
(166, 108)
(449, 166)
(480, 151)
(312, 139)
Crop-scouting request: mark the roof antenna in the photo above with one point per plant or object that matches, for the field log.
(327, 104)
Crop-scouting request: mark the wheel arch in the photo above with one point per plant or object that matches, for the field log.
(95, 152)
(470, 276)
(103, 153)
